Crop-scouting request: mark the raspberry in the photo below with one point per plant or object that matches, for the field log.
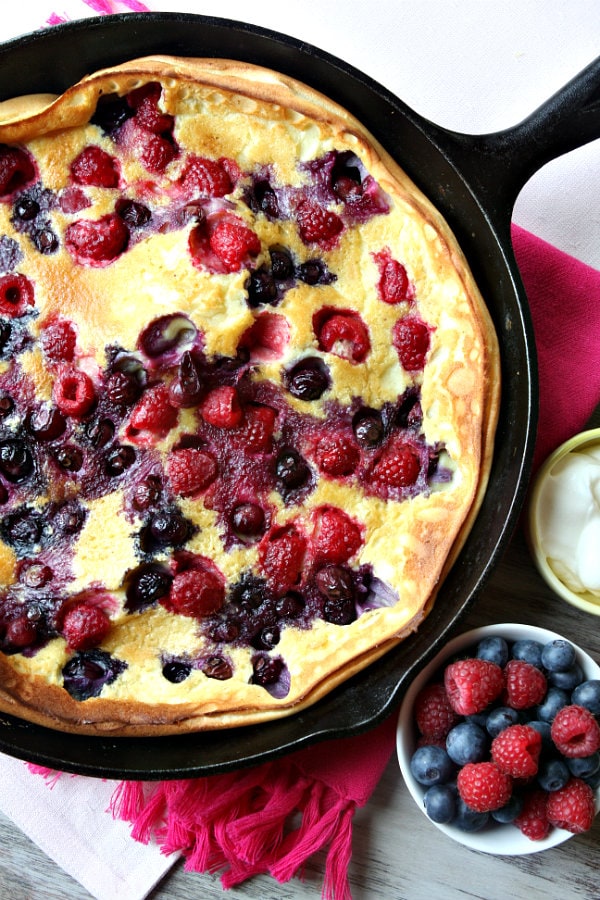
(393, 285)
(336, 537)
(16, 169)
(147, 114)
(255, 433)
(336, 454)
(233, 243)
(95, 167)
(84, 626)
(195, 592)
(433, 714)
(205, 177)
(221, 407)
(191, 470)
(59, 340)
(483, 786)
(73, 392)
(153, 415)
(472, 684)
(572, 807)
(281, 556)
(97, 241)
(517, 750)
(123, 388)
(532, 821)
(398, 466)
(267, 337)
(575, 732)
(156, 152)
(318, 225)
(525, 684)
(411, 338)
(16, 295)
(343, 333)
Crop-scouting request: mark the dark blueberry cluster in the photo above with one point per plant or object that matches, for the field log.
(32, 212)
(268, 284)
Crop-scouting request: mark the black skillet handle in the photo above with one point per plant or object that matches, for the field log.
(499, 164)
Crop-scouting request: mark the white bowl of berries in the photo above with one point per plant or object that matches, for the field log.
(498, 739)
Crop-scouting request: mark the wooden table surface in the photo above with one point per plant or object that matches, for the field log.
(397, 853)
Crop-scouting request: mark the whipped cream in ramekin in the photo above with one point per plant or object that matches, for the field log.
(569, 519)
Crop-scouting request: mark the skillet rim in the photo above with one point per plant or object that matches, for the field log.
(157, 758)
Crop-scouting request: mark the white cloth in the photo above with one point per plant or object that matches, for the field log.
(69, 820)
(470, 65)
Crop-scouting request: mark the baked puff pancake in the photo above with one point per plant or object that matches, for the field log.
(248, 394)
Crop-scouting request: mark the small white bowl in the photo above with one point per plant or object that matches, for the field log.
(585, 601)
(500, 840)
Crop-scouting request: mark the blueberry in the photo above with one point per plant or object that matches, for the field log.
(568, 679)
(500, 718)
(16, 460)
(291, 469)
(593, 780)
(509, 812)
(544, 728)
(339, 612)
(529, 651)
(187, 387)
(431, 764)
(176, 672)
(554, 700)
(308, 379)
(118, 459)
(467, 819)
(46, 423)
(168, 527)
(217, 667)
(558, 655)
(494, 649)
(467, 743)
(588, 694)
(584, 766)
(553, 774)
(282, 265)
(266, 670)
(111, 112)
(23, 530)
(248, 521)
(133, 213)
(368, 428)
(146, 585)
(314, 271)
(479, 718)
(335, 582)
(440, 803)
(86, 673)
(261, 287)
(289, 606)
(69, 457)
(267, 638)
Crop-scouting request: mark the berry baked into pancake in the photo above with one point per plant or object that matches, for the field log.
(248, 391)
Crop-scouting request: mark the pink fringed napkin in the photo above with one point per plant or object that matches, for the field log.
(237, 823)
(564, 298)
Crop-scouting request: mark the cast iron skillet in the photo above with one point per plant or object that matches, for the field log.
(474, 181)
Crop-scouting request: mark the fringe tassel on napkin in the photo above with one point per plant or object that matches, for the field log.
(271, 819)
